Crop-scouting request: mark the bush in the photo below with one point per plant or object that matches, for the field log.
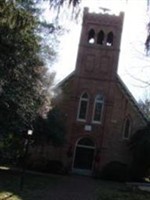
(138, 173)
(122, 194)
(46, 166)
(115, 171)
(55, 166)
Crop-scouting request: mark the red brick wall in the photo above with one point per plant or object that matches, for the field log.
(108, 136)
(96, 73)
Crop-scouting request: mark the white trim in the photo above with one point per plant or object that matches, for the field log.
(101, 114)
(79, 107)
(83, 138)
(124, 128)
(85, 146)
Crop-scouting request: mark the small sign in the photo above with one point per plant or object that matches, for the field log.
(88, 128)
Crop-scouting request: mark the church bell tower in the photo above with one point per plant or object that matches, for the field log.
(99, 45)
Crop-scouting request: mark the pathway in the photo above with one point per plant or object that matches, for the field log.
(74, 188)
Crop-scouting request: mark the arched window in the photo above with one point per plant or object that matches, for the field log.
(91, 36)
(126, 129)
(100, 38)
(83, 106)
(110, 38)
(98, 109)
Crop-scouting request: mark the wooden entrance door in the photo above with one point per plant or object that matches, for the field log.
(84, 156)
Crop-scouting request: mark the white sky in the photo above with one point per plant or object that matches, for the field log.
(133, 64)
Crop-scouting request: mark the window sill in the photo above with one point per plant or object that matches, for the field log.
(95, 122)
(81, 120)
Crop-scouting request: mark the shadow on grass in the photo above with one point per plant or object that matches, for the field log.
(41, 187)
(35, 186)
(121, 193)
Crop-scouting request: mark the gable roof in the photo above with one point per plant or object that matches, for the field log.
(67, 78)
(130, 97)
(123, 89)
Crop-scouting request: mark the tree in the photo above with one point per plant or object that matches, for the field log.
(59, 3)
(24, 80)
(140, 149)
(145, 107)
(50, 130)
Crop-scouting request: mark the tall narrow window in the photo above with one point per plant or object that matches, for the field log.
(91, 36)
(110, 38)
(100, 38)
(98, 108)
(127, 129)
(83, 106)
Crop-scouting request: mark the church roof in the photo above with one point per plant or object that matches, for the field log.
(123, 88)
(66, 79)
(130, 97)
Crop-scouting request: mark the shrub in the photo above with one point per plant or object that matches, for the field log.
(46, 166)
(55, 166)
(118, 194)
(115, 171)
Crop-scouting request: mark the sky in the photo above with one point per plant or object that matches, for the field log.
(134, 65)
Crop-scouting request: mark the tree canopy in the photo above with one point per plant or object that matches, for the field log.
(50, 130)
(140, 149)
(145, 107)
(24, 81)
(58, 3)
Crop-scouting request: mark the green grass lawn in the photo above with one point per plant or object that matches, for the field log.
(37, 186)
(34, 187)
(121, 193)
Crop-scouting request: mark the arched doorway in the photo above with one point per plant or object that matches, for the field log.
(84, 157)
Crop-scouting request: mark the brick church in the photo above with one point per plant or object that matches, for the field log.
(101, 114)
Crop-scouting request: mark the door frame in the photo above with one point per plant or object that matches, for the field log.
(78, 170)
